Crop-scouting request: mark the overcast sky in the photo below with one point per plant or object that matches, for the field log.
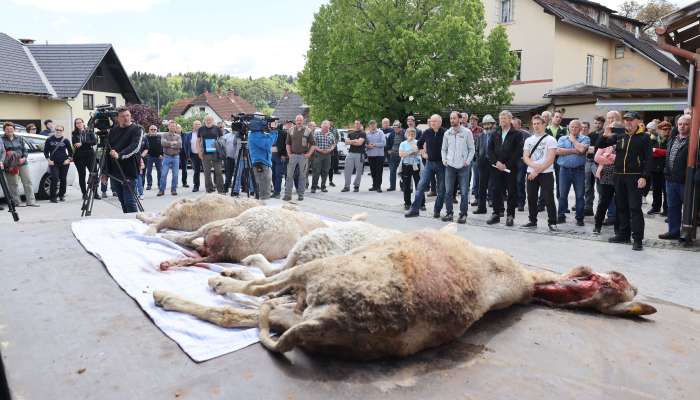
(242, 38)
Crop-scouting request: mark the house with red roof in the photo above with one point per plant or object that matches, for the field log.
(220, 106)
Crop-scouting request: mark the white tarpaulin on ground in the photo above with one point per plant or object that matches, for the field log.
(133, 258)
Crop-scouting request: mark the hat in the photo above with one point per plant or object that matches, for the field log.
(631, 115)
(488, 119)
(651, 125)
(473, 117)
(396, 124)
(664, 124)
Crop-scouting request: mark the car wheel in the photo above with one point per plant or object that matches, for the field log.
(44, 187)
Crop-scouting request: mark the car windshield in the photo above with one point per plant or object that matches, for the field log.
(36, 144)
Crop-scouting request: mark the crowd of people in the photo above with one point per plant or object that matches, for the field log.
(617, 158)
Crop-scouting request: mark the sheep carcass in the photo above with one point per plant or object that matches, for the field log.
(189, 215)
(334, 240)
(402, 295)
(266, 230)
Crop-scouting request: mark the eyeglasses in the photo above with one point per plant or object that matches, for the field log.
(57, 130)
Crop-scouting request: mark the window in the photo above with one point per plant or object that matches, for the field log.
(201, 109)
(519, 70)
(589, 69)
(603, 18)
(111, 100)
(604, 75)
(88, 102)
(506, 14)
(620, 51)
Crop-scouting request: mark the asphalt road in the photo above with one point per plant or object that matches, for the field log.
(67, 331)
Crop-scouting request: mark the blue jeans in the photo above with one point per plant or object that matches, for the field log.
(150, 161)
(139, 185)
(279, 169)
(394, 160)
(169, 163)
(239, 175)
(432, 170)
(127, 200)
(674, 197)
(567, 177)
(462, 176)
(475, 179)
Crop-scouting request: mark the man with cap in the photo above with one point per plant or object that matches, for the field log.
(632, 171)
(482, 161)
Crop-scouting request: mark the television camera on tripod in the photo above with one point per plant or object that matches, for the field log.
(244, 124)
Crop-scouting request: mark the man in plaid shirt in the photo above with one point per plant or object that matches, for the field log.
(321, 165)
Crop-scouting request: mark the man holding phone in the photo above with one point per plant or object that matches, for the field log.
(632, 168)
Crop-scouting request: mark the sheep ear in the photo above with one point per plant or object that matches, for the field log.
(630, 308)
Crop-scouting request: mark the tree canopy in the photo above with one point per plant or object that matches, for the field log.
(263, 93)
(396, 57)
(649, 12)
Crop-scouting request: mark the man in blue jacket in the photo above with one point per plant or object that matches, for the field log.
(260, 148)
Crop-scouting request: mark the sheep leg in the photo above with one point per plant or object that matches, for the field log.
(185, 262)
(292, 336)
(259, 261)
(227, 317)
(258, 287)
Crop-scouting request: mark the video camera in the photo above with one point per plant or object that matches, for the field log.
(102, 120)
(244, 123)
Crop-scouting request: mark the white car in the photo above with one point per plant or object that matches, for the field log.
(39, 167)
(342, 147)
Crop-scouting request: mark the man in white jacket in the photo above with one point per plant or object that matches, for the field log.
(457, 154)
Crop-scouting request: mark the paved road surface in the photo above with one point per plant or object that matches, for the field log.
(67, 331)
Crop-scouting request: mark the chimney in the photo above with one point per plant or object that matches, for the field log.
(27, 41)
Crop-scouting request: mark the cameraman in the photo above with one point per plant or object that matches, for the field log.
(260, 147)
(125, 140)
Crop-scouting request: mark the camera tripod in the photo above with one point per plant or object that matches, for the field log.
(98, 169)
(251, 185)
(11, 206)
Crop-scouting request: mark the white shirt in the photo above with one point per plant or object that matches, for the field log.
(193, 142)
(539, 155)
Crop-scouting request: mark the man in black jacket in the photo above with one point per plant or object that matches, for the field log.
(675, 171)
(632, 170)
(482, 162)
(125, 142)
(504, 151)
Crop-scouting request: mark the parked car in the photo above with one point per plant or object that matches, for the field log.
(38, 167)
(342, 147)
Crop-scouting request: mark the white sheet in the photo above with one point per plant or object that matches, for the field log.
(133, 258)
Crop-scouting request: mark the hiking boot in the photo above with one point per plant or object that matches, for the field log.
(494, 219)
(531, 224)
(449, 217)
(462, 219)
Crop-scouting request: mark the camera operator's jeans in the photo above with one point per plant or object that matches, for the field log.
(263, 181)
(126, 196)
(150, 161)
(169, 163)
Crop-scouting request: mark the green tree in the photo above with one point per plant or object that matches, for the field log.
(186, 122)
(391, 58)
(649, 12)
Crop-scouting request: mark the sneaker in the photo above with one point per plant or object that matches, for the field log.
(637, 245)
(448, 217)
(509, 221)
(579, 222)
(588, 212)
(494, 219)
(479, 211)
(345, 189)
(436, 215)
(160, 194)
(287, 198)
(652, 212)
(553, 228)
(411, 214)
(531, 224)
(331, 184)
(356, 189)
(173, 193)
(597, 229)
(619, 239)
(462, 219)
(669, 236)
